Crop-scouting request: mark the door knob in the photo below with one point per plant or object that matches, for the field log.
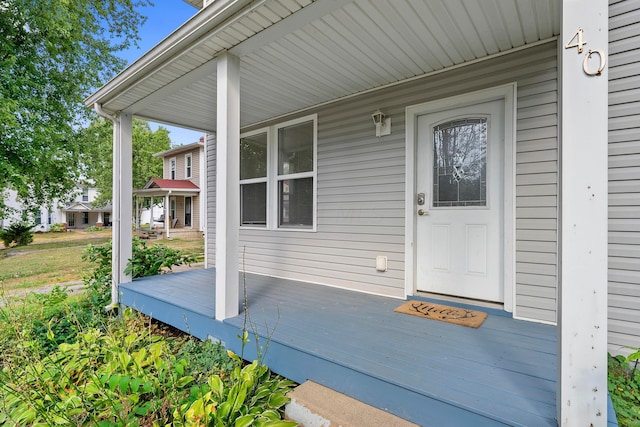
(421, 212)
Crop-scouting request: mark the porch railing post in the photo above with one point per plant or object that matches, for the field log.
(582, 296)
(227, 186)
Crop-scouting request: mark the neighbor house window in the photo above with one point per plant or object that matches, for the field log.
(172, 168)
(85, 194)
(278, 176)
(39, 218)
(253, 179)
(187, 165)
(85, 217)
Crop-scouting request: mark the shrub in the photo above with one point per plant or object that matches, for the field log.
(204, 358)
(624, 389)
(18, 234)
(149, 261)
(93, 228)
(57, 228)
(117, 377)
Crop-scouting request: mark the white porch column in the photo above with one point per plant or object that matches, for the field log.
(582, 305)
(167, 220)
(122, 204)
(227, 187)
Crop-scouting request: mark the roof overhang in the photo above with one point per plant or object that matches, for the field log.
(296, 55)
(180, 149)
(162, 192)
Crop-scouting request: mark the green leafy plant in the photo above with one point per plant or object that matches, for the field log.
(251, 397)
(57, 227)
(17, 234)
(150, 260)
(120, 377)
(624, 389)
(204, 358)
(93, 228)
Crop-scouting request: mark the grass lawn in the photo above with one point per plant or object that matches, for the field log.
(55, 258)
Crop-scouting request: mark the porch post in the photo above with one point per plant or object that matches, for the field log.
(167, 209)
(227, 187)
(582, 296)
(122, 195)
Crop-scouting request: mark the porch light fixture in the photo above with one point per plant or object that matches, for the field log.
(383, 125)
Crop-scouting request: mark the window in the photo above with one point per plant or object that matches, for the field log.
(85, 218)
(172, 168)
(278, 176)
(253, 180)
(71, 219)
(187, 165)
(460, 163)
(50, 218)
(296, 159)
(38, 219)
(85, 194)
(172, 209)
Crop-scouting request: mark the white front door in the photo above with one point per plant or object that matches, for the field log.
(460, 201)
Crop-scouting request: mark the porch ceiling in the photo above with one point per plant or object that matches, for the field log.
(295, 54)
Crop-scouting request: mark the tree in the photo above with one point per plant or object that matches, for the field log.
(53, 53)
(98, 156)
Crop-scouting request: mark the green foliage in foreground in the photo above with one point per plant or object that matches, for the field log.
(17, 234)
(65, 361)
(125, 375)
(624, 389)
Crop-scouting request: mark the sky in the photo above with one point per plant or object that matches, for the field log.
(163, 18)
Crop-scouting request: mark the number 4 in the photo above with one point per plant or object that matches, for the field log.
(579, 42)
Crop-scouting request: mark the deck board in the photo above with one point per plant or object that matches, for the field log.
(502, 373)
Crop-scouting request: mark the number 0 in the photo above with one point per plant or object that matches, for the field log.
(603, 62)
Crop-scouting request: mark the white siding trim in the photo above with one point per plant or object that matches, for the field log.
(508, 93)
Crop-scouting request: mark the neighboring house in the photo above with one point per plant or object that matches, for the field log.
(502, 170)
(180, 189)
(81, 213)
(76, 214)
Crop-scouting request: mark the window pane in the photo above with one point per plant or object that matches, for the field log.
(253, 156)
(253, 204)
(296, 202)
(295, 148)
(460, 163)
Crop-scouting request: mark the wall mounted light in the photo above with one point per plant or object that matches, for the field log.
(383, 124)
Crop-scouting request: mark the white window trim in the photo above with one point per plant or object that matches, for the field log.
(173, 168)
(188, 169)
(273, 178)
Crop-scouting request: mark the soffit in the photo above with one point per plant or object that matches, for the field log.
(298, 53)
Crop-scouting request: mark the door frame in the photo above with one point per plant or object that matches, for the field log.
(508, 94)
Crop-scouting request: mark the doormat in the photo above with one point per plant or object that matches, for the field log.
(444, 313)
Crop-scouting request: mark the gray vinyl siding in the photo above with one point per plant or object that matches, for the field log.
(210, 233)
(624, 175)
(361, 184)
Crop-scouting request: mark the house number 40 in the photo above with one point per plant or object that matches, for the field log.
(578, 42)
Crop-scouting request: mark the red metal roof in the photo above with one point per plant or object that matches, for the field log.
(182, 184)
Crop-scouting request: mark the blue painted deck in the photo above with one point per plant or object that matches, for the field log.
(429, 372)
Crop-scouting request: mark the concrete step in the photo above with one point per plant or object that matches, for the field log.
(313, 405)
